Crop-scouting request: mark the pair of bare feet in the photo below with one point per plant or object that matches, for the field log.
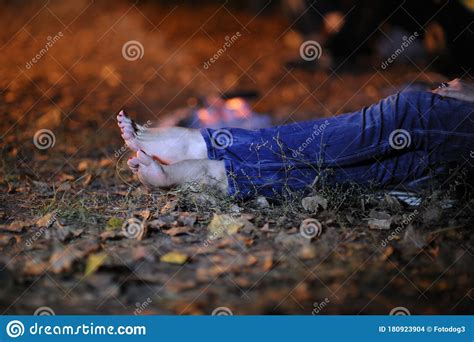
(167, 157)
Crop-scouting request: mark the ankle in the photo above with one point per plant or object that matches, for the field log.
(196, 145)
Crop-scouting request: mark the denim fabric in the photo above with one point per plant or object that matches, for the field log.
(400, 142)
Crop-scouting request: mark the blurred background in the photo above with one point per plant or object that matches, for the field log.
(68, 67)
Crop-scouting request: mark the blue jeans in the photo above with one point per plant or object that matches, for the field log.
(400, 142)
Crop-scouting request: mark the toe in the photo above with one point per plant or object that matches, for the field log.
(144, 158)
(122, 114)
(123, 120)
(128, 129)
(133, 163)
(127, 135)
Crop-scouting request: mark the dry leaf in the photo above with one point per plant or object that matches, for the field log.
(94, 262)
(84, 165)
(222, 225)
(16, 226)
(87, 179)
(51, 119)
(267, 262)
(34, 267)
(47, 220)
(169, 207)
(62, 260)
(174, 258)
(307, 252)
(145, 214)
(177, 231)
(386, 253)
(114, 223)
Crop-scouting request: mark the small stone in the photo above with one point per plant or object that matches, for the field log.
(313, 203)
(262, 202)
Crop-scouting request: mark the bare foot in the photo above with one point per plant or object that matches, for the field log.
(457, 89)
(165, 145)
(150, 173)
(154, 175)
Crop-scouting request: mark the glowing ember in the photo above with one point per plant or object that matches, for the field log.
(234, 112)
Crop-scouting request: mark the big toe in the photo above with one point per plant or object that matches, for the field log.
(122, 115)
(123, 120)
(133, 164)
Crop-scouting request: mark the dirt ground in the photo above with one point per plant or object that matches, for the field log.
(63, 207)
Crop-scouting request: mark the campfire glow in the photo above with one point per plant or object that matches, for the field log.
(234, 112)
